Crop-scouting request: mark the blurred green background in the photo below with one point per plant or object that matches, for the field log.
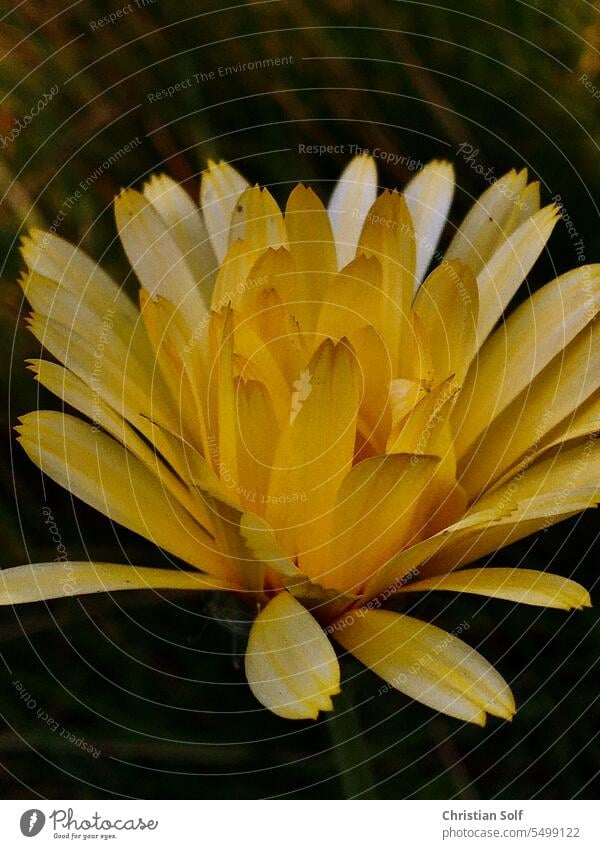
(157, 687)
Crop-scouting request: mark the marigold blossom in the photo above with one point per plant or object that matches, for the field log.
(301, 415)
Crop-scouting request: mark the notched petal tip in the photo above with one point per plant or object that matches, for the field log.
(290, 664)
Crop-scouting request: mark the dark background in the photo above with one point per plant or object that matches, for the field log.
(156, 685)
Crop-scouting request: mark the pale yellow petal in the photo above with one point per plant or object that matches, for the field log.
(426, 663)
(502, 275)
(187, 228)
(130, 388)
(526, 586)
(290, 664)
(220, 188)
(521, 347)
(56, 259)
(552, 397)
(352, 197)
(527, 517)
(429, 196)
(58, 304)
(156, 257)
(488, 222)
(83, 398)
(39, 581)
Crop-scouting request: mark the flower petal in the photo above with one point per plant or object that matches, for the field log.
(156, 257)
(447, 305)
(39, 581)
(517, 352)
(353, 196)
(84, 399)
(426, 663)
(220, 188)
(526, 586)
(502, 275)
(554, 395)
(56, 259)
(290, 664)
(257, 219)
(314, 452)
(429, 196)
(525, 518)
(381, 504)
(95, 468)
(186, 227)
(489, 222)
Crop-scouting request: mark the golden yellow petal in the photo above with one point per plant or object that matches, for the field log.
(382, 505)
(448, 305)
(257, 219)
(314, 452)
(95, 468)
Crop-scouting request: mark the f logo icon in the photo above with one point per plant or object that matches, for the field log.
(32, 822)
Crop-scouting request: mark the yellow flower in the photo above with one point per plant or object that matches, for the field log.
(301, 415)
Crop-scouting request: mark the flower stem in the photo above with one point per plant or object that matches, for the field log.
(349, 751)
